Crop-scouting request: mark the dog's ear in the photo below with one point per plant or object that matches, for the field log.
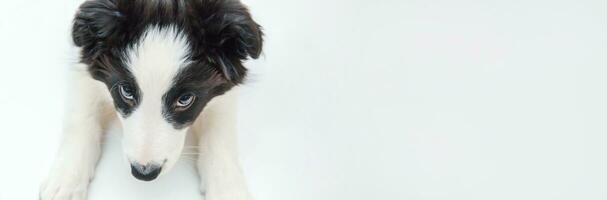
(238, 31)
(230, 33)
(95, 21)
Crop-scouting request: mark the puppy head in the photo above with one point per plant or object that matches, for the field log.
(162, 62)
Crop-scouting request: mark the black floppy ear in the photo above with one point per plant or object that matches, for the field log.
(95, 21)
(238, 33)
(231, 34)
(243, 34)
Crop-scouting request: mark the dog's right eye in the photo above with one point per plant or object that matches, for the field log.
(126, 93)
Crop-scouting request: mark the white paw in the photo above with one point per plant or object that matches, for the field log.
(65, 184)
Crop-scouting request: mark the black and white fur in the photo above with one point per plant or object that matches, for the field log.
(164, 69)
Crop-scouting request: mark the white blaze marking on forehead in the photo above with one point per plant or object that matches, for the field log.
(156, 59)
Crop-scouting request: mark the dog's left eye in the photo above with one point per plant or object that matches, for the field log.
(126, 92)
(185, 100)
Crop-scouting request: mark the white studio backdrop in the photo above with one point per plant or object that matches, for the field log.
(354, 99)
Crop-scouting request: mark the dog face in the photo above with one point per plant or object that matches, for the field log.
(162, 62)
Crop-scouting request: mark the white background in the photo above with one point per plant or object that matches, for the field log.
(355, 99)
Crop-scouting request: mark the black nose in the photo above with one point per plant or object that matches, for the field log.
(145, 172)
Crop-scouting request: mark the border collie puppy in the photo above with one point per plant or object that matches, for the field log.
(163, 68)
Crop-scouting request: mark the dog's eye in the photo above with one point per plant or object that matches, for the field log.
(184, 101)
(127, 93)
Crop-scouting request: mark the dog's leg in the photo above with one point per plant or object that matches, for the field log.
(218, 166)
(80, 147)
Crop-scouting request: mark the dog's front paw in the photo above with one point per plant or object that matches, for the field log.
(65, 184)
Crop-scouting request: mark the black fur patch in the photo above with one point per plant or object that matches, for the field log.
(199, 79)
(221, 34)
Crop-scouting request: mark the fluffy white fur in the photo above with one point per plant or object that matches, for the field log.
(146, 135)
